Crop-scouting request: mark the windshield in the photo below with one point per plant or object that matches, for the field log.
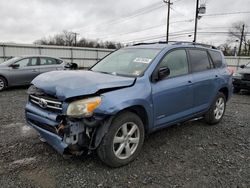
(126, 62)
(10, 61)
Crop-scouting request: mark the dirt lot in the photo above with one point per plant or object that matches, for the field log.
(188, 155)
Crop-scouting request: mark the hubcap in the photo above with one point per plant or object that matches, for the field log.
(126, 140)
(1, 84)
(219, 108)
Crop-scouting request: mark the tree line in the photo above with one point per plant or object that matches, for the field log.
(68, 38)
(237, 44)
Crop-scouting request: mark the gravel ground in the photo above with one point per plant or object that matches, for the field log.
(188, 155)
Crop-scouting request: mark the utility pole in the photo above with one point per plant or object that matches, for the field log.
(196, 19)
(241, 38)
(200, 9)
(168, 16)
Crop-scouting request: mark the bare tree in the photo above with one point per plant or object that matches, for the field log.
(239, 32)
(226, 49)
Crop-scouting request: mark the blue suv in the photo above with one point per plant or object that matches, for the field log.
(132, 92)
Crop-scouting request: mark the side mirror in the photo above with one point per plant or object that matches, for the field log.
(162, 73)
(14, 66)
(242, 66)
(72, 66)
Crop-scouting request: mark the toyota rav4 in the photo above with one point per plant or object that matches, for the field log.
(132, 92)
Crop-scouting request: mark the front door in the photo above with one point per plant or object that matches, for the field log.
(26, 71)
(173, 96)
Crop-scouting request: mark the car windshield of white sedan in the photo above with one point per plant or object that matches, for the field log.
(126, 62)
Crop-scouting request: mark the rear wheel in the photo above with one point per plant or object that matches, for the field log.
(123, 141)
(217, 110)
(3, 83)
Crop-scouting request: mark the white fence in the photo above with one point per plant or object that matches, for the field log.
(84, 57)
(233, 61)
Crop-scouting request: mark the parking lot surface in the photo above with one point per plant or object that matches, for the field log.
(192, 154)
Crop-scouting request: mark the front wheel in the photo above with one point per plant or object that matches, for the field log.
(123, 141)
(217, 110)
(3, 83)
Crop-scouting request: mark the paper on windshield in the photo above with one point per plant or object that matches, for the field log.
(142, 60)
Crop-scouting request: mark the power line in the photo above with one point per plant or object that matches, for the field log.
(228, 13)
(136, 13)
(142, 30)
(178, 34)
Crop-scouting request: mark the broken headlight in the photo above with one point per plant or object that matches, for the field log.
(84, 107)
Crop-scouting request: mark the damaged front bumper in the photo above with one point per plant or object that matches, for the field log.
(67, 136)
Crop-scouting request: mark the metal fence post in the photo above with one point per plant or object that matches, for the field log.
(71, 51)
(4, 57)
(238, 63)
(97, 55)
(40, 50)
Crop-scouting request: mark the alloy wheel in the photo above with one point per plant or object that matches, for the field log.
(126, 140)
(219, 108)
(2, 84)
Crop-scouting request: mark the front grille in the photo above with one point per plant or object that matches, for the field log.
(44, 126)
(246, 77)
(46, 103)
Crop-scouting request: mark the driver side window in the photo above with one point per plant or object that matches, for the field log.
(177, 62)
(23, 62)
(26, 62)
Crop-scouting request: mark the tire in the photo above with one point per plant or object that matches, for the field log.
(3, 83)
(236, 90)
(217, 110)
(128, 145)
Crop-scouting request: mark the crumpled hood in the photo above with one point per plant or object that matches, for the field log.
(68, 84)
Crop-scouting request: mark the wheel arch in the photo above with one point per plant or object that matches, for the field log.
(225, 91)
(4, 77)
(141, 112)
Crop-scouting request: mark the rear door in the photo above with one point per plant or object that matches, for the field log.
(49, 64)
(204, 78)
(173, 96)
(28, 69)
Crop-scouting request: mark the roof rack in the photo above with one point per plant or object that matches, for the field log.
(144, 43)
(178, 43)
(193, 43)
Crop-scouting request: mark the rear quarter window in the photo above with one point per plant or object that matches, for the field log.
(199, 60)
(217, 58)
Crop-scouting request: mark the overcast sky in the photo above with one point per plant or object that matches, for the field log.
(28, 20)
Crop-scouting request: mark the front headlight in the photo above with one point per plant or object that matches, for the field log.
(238, 75)
(83, 107)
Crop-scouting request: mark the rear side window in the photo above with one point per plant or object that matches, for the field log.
(48, 61)
(217, 58)
(199, 60)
